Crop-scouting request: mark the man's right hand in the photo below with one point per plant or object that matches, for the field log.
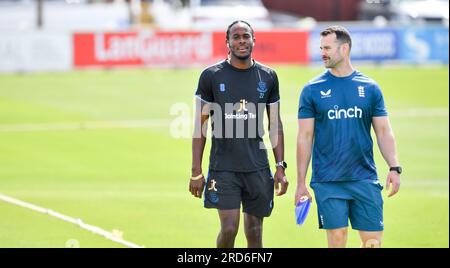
(196, 186)
(300, 193)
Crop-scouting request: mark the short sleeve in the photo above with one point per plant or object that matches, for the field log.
(305, 106)
(274, 95)
(379, 109)
(204, 88)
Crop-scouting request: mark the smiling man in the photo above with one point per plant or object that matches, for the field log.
(336, 112)
(234, 94)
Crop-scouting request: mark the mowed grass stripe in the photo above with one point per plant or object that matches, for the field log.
(136, 179)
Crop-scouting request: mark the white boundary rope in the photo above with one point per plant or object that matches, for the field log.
(94, 229)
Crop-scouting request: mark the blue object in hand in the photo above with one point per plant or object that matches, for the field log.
(301, 211)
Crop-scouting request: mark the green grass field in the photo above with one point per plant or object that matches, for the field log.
(135, 179)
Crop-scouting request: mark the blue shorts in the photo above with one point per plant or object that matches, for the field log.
(359, 201)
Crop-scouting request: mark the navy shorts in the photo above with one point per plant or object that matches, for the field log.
(359, 201)
(227, 190)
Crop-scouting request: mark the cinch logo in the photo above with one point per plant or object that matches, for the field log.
(337, 113)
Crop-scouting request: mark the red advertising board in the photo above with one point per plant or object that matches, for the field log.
(141, 48)
(272, 47)
(148, 48)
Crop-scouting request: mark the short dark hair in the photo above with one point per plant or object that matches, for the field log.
(238, 21)
(342, 35)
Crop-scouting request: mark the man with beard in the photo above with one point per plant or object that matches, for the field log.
(336, 112)
(234, 94)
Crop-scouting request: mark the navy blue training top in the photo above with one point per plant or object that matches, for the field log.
(238, 100)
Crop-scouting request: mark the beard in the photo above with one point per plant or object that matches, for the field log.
(329, 64)
(242, 57)
(332, 63)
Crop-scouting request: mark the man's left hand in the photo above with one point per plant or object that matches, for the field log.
(394, 179)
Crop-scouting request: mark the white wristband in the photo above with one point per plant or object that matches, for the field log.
(197, 177)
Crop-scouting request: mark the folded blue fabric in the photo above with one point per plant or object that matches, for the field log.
(301, 211)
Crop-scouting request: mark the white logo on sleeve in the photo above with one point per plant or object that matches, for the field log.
(326, 94)
(337, 113)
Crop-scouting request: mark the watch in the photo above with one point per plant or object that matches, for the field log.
(398, 169)
(281, 164)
